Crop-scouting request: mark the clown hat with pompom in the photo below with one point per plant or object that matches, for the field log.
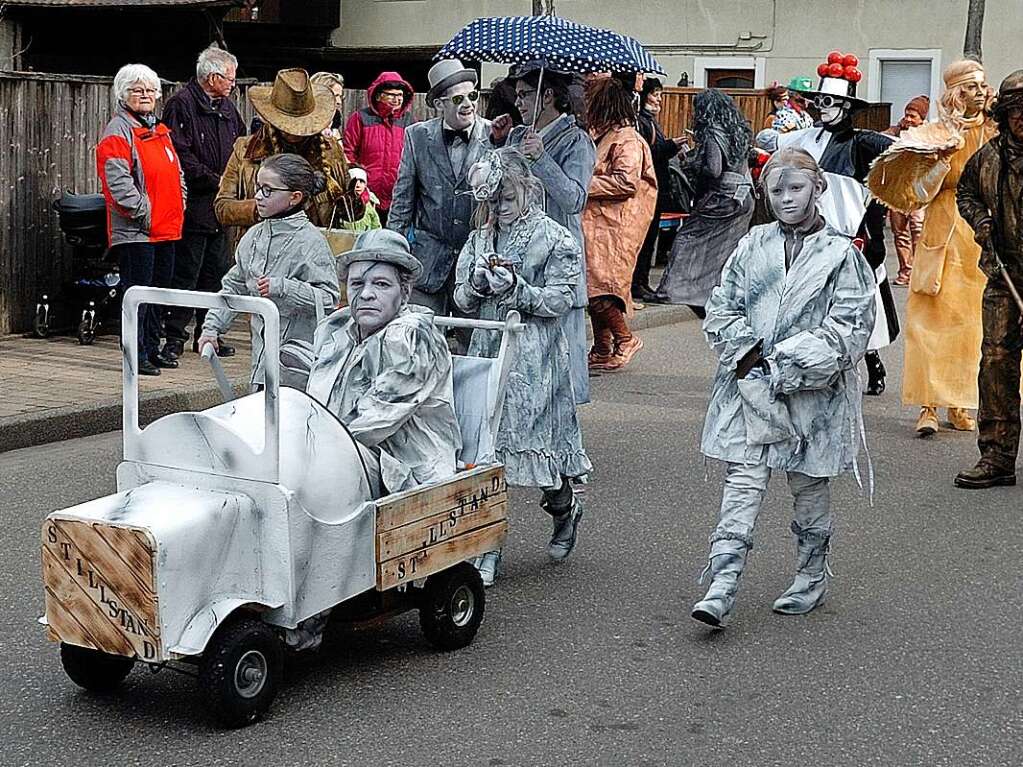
(839, 76)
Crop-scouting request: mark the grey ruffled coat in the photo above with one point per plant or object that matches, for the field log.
(393, 391)
(295, 255)
(565, 168)
(539, 439)
(815, 321)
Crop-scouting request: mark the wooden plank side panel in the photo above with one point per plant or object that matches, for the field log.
(424, 562)
(438, 528)
(470, 489)
(100, 587)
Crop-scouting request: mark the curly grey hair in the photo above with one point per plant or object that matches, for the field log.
(130, 74)
(214, 60)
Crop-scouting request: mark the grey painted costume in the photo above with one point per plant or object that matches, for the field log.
(295, 255)
(815, 320)
(393, 391)
(539, 439)
(565, 169)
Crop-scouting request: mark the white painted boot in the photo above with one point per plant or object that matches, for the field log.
(727, 560)
(810, 586)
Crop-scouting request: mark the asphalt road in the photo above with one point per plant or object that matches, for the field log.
(914, 660)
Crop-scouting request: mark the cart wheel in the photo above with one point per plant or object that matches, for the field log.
(451, 607)
(86, 332)
(41, 321)
(94, 670)
(240, 671)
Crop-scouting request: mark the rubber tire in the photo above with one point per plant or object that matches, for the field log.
(94, 670)
(40, 327)
(217, 667)
(435, 614)
(86, 334)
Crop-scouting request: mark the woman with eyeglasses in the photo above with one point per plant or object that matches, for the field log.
(284, 258)
(375, 135)
(145, 194)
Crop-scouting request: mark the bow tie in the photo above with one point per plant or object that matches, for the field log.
(450, 135)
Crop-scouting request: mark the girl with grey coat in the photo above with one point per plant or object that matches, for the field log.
(790, 321)
(520, 259)
(284, 258)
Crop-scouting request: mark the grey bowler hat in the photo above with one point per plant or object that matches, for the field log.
(444, 74)
(381, 246)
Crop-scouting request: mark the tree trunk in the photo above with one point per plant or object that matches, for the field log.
(974, 31)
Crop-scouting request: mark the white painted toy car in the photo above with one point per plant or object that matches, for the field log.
(234, 524)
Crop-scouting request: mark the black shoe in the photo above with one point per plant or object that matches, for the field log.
(161, 360)
(875, 374)
(224, 350)
(173, 349)
(147, 368)
(643, 294)
(984, 475)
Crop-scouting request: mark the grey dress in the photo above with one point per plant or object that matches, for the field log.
(539, 440)
(719, 219)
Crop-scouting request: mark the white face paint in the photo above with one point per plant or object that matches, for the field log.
(461, 115)
(375, 294)
(509, 205)
(792, 194)
(834, 114)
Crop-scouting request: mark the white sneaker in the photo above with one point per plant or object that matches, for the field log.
(488, 565)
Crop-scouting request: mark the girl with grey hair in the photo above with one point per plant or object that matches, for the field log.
(520, 259)
(284, 258)
(144, 188)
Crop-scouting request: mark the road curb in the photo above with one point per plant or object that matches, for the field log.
(59, 424)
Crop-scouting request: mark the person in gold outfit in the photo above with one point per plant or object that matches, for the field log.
(943, 312)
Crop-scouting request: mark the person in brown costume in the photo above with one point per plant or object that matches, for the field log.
(990, 198)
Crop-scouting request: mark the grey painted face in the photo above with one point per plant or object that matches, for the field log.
(510, 204)
(375, 294)
(835, 113)
(792, 194)
(458, 116)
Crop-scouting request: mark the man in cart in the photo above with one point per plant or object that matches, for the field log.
(384, 369)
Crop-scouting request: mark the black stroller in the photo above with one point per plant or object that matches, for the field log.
(93, 296)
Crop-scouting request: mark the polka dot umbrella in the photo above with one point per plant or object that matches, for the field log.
(553, 42)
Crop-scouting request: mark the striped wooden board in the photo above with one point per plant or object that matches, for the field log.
(100, 587)
(426, 530)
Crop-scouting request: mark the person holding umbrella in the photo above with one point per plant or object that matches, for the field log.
(561, 156)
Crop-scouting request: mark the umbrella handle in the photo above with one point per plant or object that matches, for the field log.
(538, 100)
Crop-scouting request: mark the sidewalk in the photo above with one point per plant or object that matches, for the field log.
(53, 389)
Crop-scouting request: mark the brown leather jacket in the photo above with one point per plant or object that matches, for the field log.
(235, 204)
(991, 200)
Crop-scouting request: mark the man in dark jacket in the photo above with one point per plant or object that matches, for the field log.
(204, 125)
(990, 198)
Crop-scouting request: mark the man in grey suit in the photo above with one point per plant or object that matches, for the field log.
(432, 203)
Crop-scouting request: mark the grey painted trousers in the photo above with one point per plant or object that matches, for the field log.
(744, 495)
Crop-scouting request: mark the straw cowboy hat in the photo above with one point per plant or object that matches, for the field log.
(381, 246)
(446, 73)
(293, 104)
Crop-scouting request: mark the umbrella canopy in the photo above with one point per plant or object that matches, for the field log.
(556, 43)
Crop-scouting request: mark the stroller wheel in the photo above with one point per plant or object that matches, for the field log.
(41, 321)
(86, 332)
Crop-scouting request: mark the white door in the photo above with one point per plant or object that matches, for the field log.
(903, 80)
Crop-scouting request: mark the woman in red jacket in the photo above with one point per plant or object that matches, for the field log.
(375, 135)
(145, 193)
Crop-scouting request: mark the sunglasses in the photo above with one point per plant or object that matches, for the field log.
(265, 190)
(827, 102)
(457, 100)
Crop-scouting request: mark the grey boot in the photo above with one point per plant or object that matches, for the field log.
(727, 560)
(566, 527)
(812, 573)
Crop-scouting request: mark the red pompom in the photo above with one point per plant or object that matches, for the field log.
(835, 57)
(822, 70)
(853, 75)
(835, 70)
(850, 60)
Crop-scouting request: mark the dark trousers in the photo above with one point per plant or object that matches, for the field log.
(383, 217)
(200, 263)
(645, 260)
(998, 416)
(610, 330)
(150, 264)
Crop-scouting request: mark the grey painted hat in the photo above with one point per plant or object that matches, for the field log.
(446, 73)
(381, 246)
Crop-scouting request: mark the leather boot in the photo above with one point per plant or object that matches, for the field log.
(927, 423)
(984, 475)
(960, 419)
(567, 510)
(727, 560)
(812, 573)
(875, 374)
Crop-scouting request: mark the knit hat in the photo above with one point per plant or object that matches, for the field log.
(921, 105)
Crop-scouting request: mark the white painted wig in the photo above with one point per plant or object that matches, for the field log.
(214, 60)
(130, 74)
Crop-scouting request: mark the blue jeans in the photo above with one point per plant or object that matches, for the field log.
(150, 264)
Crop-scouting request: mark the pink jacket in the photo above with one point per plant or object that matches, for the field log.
(375, 142)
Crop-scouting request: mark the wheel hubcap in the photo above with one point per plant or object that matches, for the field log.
(463, 605)
(250, 674)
